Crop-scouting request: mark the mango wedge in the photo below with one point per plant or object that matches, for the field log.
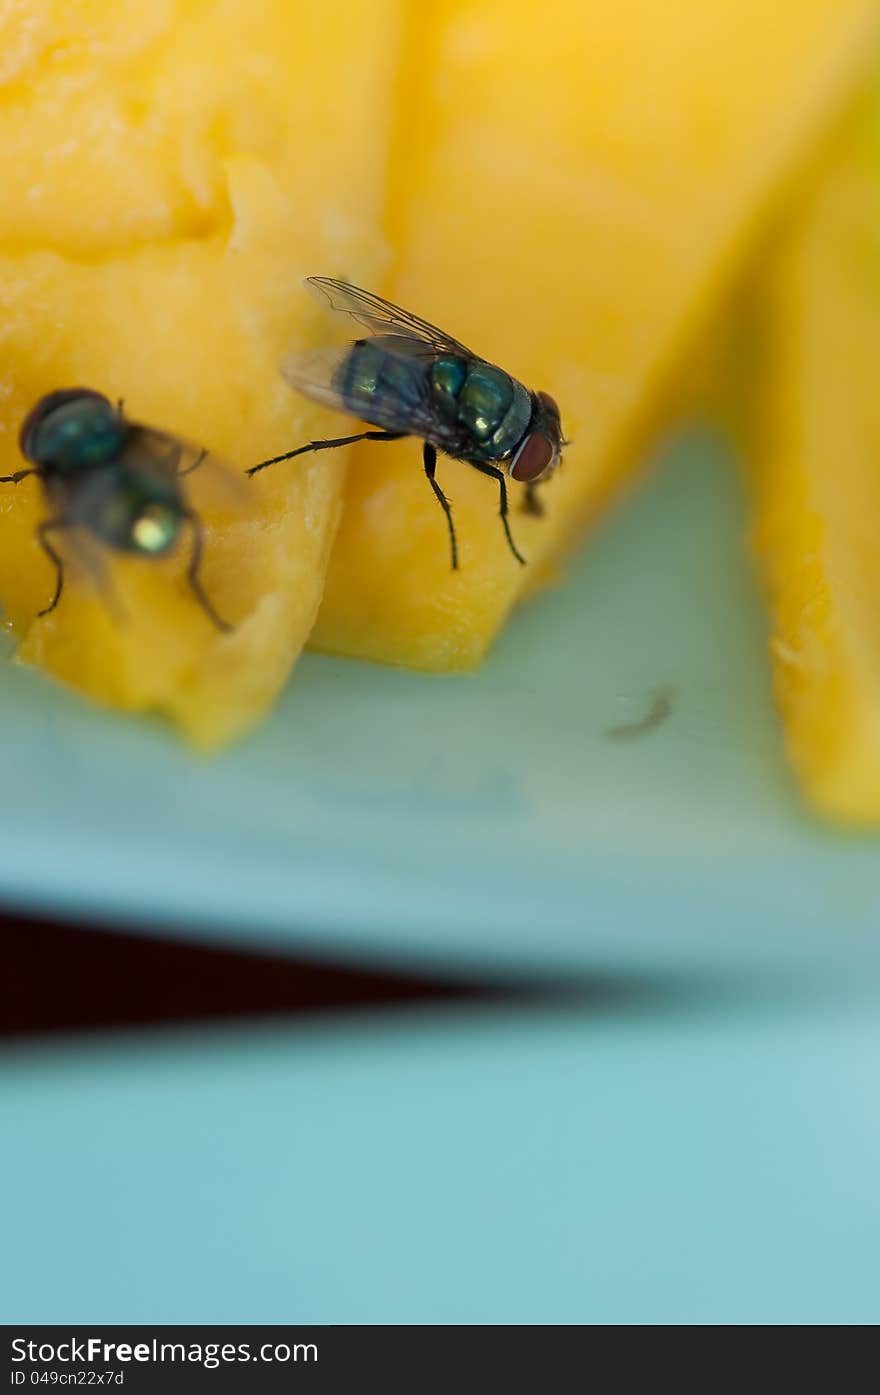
(817, 480)
(170, 173)
(573, 189)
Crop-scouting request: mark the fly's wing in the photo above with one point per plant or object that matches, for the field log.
(381, 317)
(205, 481)
(316, 372)
(90, 562)
(87, 560)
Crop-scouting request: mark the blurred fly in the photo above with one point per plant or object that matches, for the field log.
(411, 379)
(112, 479)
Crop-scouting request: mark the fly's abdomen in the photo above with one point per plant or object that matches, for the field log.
(371, 379)
(491, 409)
(130, 510)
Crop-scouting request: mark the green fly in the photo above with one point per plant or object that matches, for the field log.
(111, 479)
(410, 379)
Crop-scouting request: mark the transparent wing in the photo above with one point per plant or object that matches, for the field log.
(91, 562)
(314, 372)
(206, 480)
(380, 316)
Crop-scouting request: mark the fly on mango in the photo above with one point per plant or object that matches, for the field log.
(411, 379)
(111, 480)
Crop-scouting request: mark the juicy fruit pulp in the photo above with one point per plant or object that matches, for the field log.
(817, 481)
(573, 188)
(568, 189)
(170, 174)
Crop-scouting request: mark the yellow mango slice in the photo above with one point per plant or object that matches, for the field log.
(817, 481)
(574, 186)
(170, 172)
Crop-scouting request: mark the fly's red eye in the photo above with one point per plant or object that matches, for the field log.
(550, 404)
(533, 459)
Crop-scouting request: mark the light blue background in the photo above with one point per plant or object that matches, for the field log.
(712, 1159)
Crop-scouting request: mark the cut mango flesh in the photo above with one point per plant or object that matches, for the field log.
(574, 185)
(170, 173)
(569, 189)
(818, 483)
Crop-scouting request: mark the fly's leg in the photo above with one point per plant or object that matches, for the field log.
(192, 575)
(92, 561)
(532, 503)
(17, 477)
(328, 445)
(429, 455)
(199, 460)
(52, 525)
(496, 474)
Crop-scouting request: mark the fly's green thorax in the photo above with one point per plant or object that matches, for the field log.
(76, 435)
(393, 380)
(448, 377)
(494, 409)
